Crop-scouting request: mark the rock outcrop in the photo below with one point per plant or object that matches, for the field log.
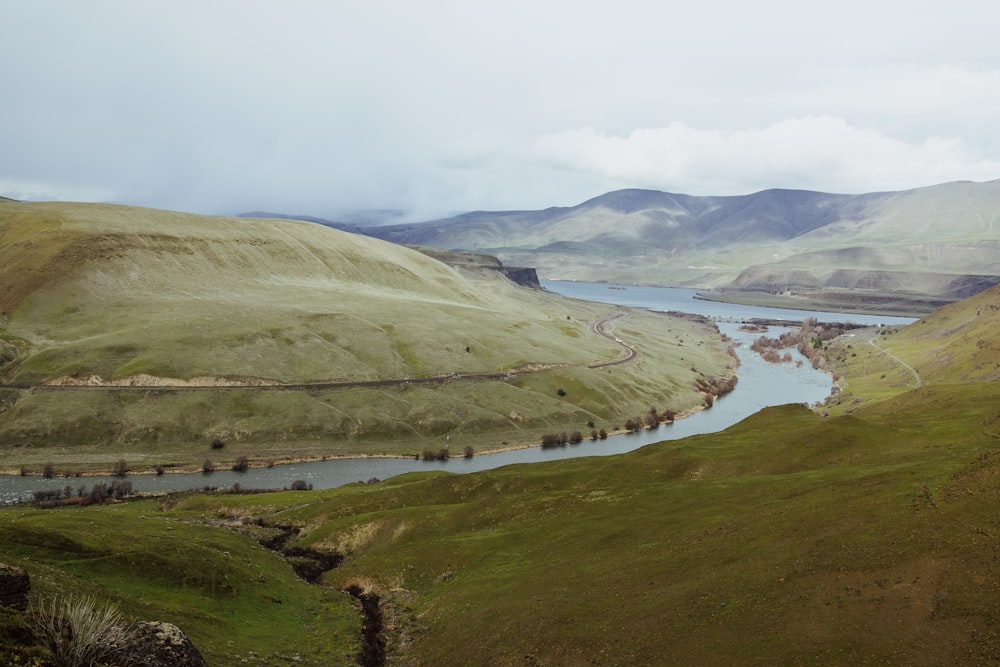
(522, 275)
(157, 644)
(14, 587)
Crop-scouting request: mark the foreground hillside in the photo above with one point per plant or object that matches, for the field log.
(893, 252)
(868, 536)
(146, 335)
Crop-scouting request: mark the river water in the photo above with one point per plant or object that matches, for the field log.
(761, 384)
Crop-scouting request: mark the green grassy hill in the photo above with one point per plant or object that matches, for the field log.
(868, 536)
(955, 346)
(98, 294)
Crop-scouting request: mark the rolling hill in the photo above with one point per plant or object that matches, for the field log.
(925, 247)
(867, 536)
(145, 334)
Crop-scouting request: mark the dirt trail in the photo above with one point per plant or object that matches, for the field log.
(916, 376)
(602, 327)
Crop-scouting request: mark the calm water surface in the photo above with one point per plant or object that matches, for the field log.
(761, 384)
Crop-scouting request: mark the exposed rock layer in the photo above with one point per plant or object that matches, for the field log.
(14, 587)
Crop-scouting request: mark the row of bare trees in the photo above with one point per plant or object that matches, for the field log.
(810, 340)
(99, 493)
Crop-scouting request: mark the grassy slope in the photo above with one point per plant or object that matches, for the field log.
(116, 291)
(233, 598)
(956, 345)
(790, 538)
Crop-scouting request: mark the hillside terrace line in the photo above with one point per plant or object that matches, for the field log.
(602, 327)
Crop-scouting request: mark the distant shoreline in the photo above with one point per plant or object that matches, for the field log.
(847, 302)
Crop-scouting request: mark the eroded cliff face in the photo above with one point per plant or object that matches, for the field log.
(522, 275)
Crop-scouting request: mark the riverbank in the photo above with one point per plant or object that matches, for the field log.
(760, 384)
(619, 366)
(848, 302)
(68, 469)
(285, 412)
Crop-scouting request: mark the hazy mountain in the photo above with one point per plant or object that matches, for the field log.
(268, 215)
(940, 241)
(350, 219)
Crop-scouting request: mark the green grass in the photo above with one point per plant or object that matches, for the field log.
(639, 557)
(867, 536)
(787, 539)
(231, 596)
(116, 291)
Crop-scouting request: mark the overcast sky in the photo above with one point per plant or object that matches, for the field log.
(433, 106)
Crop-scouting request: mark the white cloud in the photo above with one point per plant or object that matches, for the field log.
(812, 152)
(450, 105)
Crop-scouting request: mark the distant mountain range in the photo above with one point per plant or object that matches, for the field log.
(929, 245)
(348, 219)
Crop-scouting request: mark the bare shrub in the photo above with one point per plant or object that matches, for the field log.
(468, 451)
(99, 493)
(120, 469)
(77, 631)
(554, 439)
(241, 465)
(120, 489)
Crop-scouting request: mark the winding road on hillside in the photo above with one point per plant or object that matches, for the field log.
(602, 327)
(916, 376)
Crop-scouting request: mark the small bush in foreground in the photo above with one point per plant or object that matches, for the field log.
(77, 631)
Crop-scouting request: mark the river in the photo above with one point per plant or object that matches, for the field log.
(761, 384)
